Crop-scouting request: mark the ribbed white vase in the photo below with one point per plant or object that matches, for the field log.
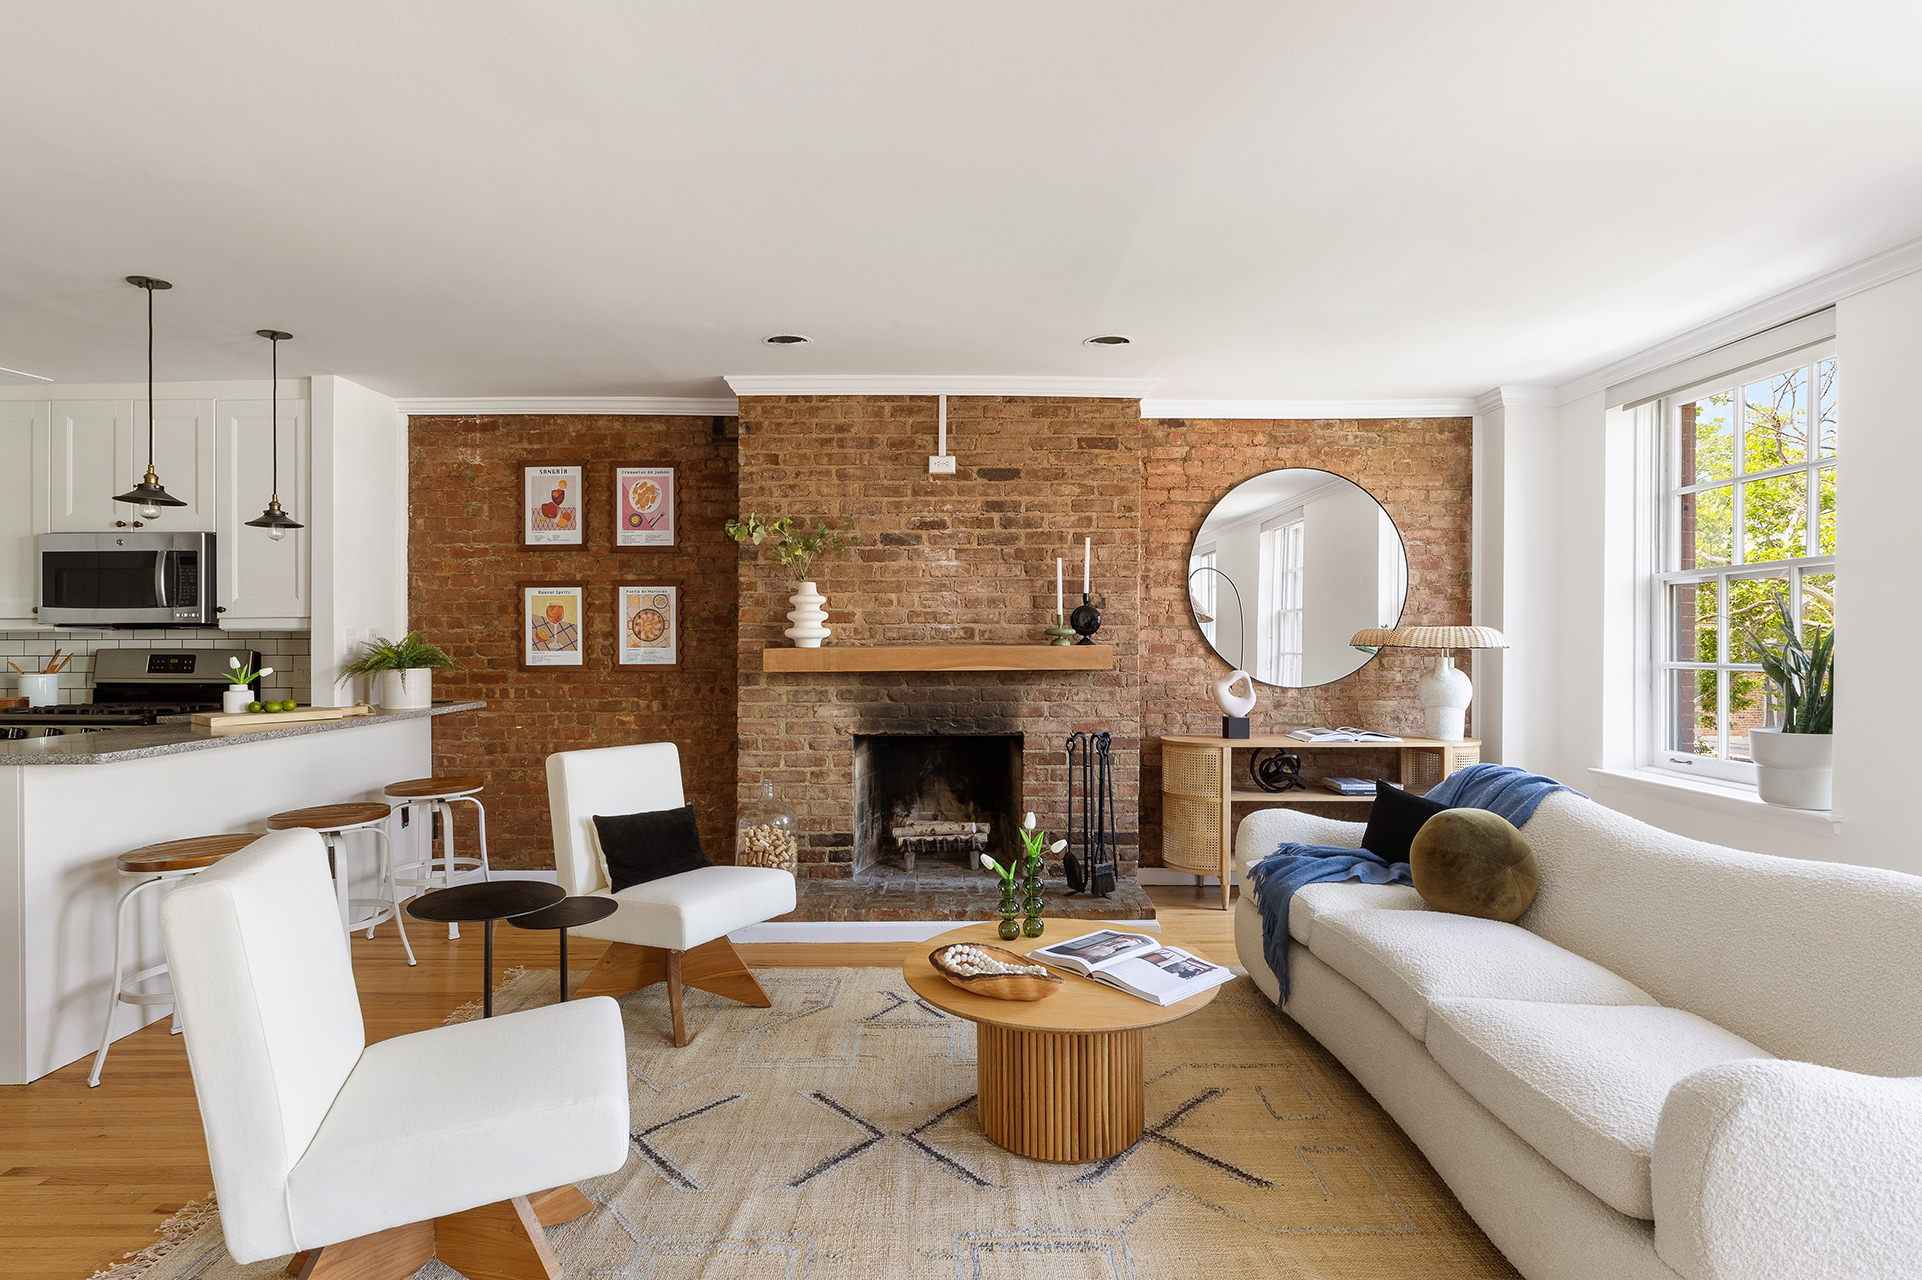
(807, 617)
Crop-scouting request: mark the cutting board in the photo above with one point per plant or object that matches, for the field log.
(12, 704)
(218, 722)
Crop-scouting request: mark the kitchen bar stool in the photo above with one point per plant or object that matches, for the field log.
(334, 821)
(438, 795)
(154, 866)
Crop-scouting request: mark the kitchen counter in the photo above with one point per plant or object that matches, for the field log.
(177, 734)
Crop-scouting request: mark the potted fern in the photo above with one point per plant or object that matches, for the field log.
(797, 549)
(1795, 763)
(403, 670)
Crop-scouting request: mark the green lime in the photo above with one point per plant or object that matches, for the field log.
(256, 706)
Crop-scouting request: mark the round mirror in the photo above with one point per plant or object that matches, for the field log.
(1288, 567)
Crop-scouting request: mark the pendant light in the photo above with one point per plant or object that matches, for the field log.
(275, 521)
(148, 494)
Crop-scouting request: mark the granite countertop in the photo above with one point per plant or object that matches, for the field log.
(177, 734)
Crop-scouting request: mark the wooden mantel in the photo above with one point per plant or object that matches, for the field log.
(941, 657)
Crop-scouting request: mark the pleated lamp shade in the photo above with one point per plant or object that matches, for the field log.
(1444, 638)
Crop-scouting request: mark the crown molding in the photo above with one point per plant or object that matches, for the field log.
(636, 406)
(1791, 304)
(1304, 410)
(893, 384)
(1517, 397)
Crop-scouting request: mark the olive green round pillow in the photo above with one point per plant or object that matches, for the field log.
(1473, 863)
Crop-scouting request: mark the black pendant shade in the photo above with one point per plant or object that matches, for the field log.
(273, 519)
(149, 495)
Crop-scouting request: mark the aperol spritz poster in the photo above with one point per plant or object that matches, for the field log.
(644, 506)
(551, 506)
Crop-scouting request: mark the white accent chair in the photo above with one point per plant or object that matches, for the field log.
(357, 1153)
(671, 930)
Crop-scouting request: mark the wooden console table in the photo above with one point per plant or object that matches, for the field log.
(1199, 791)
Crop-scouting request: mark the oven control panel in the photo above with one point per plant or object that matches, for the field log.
(171, 664)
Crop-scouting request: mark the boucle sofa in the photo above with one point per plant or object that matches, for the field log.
(1683, 1060)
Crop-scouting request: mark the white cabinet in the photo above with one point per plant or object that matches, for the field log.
(263, 583)
(23, 507)
(98, 448)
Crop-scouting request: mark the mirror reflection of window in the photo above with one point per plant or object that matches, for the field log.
(1314, 557)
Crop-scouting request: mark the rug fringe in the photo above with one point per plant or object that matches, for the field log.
(472, 1009)
(173, 1233)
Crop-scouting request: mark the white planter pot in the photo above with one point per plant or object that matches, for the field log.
(1793, 770)
(807, 617)
(39, 690)
(409, 690)
(235, 700)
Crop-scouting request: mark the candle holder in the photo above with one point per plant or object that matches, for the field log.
(1086, 618)
(1059, 632)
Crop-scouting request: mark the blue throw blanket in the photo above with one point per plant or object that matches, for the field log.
(1501, 789)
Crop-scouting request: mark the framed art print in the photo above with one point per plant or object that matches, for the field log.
(643, 506)
(552, 626)
(551, 499)
(650, 620)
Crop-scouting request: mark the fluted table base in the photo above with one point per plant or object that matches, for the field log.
(1069, 1096)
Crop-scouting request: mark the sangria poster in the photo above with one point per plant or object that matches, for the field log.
(644, 506)
(551, 506)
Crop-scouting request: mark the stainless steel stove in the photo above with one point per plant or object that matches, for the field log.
(135, 687)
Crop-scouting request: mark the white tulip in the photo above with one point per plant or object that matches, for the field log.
(1057, 846)
(265, 671)
(234, 663)
(1028, 821)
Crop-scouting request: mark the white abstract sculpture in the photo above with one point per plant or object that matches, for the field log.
(1232, 703)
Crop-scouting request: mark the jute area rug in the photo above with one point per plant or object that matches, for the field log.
(833, 1137)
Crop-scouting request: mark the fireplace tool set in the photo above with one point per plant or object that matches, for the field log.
(1091, 827)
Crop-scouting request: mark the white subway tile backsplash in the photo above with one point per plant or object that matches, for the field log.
(287, 652)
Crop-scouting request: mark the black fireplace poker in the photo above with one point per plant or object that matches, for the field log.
(1088, 759)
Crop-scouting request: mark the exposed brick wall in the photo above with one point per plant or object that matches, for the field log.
(958, 558)
(1419, 469)
(466, 561)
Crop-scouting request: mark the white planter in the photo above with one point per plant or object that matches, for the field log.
(38, 689)
(236, 700)
(807, 617)
(409, 690)
(1793, 770)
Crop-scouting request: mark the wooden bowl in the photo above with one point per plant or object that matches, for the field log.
(999, 986)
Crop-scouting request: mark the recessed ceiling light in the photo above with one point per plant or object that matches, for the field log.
(786, 339)
(1107, 340)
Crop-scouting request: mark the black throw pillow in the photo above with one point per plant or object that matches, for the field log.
(1393, 820)
(647, 846)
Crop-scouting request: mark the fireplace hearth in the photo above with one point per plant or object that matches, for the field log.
(945, 798)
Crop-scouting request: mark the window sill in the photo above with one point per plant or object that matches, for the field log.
(1732, 801)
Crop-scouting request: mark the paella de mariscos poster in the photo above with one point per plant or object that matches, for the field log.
(644, 506)
(649, 626)
(551, 506)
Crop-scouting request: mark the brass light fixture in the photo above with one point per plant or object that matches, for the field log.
(275, 521)
(149, 495)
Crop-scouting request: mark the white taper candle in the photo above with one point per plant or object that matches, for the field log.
(1057, 586)
(1087, 564)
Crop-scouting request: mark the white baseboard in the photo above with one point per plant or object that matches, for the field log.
(879, 930)
(1163, 875)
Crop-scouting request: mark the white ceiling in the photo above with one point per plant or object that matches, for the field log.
(1273, 198)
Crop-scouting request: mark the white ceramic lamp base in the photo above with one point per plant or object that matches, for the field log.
(1445, 693)
(807, 617)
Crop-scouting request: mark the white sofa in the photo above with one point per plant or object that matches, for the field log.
(1684, 1060)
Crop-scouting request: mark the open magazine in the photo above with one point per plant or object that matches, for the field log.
(1346, 733)
(1135, 963)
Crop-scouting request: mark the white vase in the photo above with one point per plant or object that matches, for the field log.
(1793, 770)
(1445, 693)
(234, 701)
(409, 690)
(807, 617)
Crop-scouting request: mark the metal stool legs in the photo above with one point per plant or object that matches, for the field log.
(127, 992)
(382, 912)
(449, 869)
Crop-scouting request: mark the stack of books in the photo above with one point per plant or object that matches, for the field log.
(1349, 786)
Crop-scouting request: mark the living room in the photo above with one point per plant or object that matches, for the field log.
(735, 483)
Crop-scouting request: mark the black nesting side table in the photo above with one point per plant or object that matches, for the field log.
(485, 903)
(565, 915)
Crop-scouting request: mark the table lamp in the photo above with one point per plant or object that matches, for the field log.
(1445, 691)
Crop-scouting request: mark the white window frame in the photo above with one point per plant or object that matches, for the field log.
(1282, 564)
(1202, 590)
(1661, 421)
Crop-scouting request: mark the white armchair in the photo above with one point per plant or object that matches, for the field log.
(671, 930)
(360, 1154)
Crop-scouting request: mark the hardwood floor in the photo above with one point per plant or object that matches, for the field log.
(90, 1173)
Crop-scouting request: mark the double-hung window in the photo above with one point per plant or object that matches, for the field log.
(1280, 645)
(1745, 518)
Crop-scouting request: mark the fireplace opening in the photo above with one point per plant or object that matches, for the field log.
(935, 802)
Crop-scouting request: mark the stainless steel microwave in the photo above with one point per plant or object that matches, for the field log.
(127, 580)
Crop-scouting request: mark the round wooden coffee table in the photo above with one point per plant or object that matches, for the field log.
(1061, 1078)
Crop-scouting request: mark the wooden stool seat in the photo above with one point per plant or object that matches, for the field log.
(330, 817)
(428, 788)
(192, 854)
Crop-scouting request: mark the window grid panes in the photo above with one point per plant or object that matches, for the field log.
(1747, 517)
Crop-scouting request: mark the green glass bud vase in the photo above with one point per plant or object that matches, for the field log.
(1010, 908)
(1032, 926)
